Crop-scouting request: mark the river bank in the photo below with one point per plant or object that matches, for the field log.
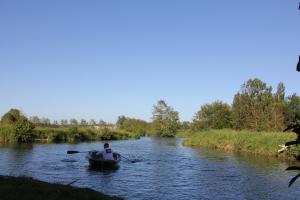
(64, 134)
(13, 188)
(257, 143)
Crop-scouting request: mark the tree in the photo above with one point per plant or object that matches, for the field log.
(185, 125)
(277, 115)
(132, 125)
(12, 116)
(45, 121)
(73, 122)
(64, 122)
(252, 106)
(165, 119)
(292, 111)
(212, 116)
(35, 120)
(92, 122)
(280, 93)
(120, 122)
(23, 130)
(17, 125)
(83, 122)
(102, 124)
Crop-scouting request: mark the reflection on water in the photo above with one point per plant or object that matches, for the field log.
(166, 170)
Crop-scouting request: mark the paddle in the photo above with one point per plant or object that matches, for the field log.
(72, 152)
(132, 161)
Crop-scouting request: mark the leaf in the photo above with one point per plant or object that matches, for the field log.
(293, 180)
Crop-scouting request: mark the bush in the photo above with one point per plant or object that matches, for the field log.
(16, 127)
(23, 130)
(6, 134)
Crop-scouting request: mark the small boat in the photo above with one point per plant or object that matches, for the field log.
(96, 161)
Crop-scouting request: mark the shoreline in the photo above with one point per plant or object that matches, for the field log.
(66, 135)
(27, 188)
(246, 142)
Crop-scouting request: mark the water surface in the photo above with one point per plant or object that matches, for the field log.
(166, 170)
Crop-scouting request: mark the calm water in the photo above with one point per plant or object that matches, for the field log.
(166, 170)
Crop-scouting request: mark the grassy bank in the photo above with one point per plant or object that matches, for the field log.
(64, 134)
(15, 188)
(261, 143)
(183, 134)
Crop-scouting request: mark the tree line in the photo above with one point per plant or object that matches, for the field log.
(43, 121)
(254, 107)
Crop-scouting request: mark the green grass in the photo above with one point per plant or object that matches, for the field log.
(183, 134)
(262, 143)
(16, 188)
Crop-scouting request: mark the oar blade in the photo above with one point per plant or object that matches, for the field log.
(72, 152)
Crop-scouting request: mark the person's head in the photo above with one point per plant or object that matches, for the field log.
(106, 145)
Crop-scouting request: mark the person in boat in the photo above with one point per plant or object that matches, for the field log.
(107, 152)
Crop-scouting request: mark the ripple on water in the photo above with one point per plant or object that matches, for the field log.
(166, 170)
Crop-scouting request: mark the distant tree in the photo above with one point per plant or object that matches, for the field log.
(73, 122)
(83, 122)
(185, 125)
(45, 121)
(132, 125)
(165, 119)
(212, 116)
(35, 120)
(102, 123)
(64, 122)
(120, 122)
(92, 122)
(280, 93)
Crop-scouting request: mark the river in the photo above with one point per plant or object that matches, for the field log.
(165, 170)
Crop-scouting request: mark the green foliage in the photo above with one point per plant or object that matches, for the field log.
(23, 130)
(292, 111)
(262, 143)
(183, 133)
(252, 106)
(185, 125)
(15, 127)
(212, 116)
(165, 120)
(11, 117)
(106, 134)
(120, 122)
(59, 137)
(6, 134)
(79, 134)
(131, 125)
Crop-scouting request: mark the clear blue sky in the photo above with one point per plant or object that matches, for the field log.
(101, 59)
